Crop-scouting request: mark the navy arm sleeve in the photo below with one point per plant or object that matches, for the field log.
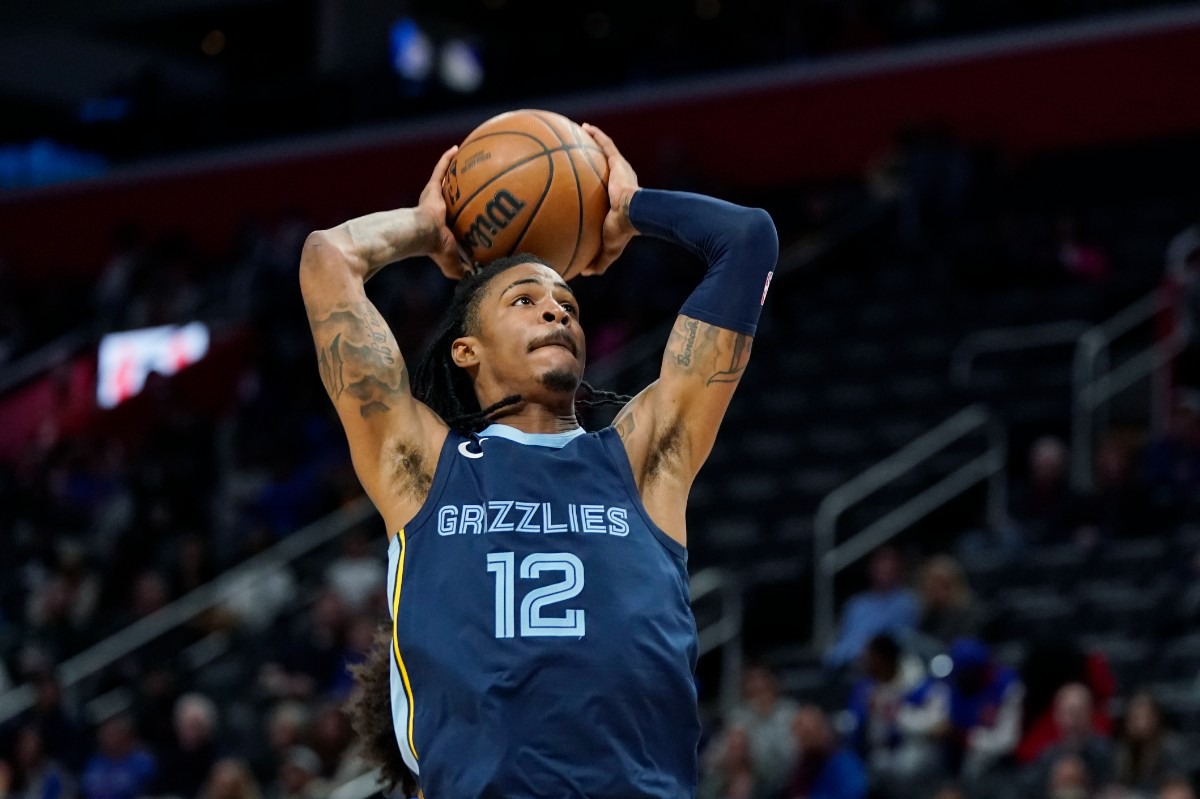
(739, 245)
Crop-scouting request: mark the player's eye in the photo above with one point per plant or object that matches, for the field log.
(523, 299)
(570, 308)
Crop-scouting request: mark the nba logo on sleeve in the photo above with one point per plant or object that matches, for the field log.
(766, 286)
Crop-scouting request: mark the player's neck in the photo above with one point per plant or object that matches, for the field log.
(532, 418)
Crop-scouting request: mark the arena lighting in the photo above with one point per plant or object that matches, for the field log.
(127, 359)
(460, 67)
(411, 50)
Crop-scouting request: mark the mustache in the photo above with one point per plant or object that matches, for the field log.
(558, 336)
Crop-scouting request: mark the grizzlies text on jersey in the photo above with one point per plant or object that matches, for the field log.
(543, 641)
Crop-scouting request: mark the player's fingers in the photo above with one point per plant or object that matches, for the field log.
(443, 164)
(603, 139)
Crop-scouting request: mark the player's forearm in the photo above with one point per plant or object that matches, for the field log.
(738, 244)
(366, 244)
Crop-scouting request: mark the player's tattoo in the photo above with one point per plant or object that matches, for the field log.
(625, 423)
(329, 361)
(738, 358)
(361, 358)
(683, 354)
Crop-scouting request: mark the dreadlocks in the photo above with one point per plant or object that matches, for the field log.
(370, 711)
(447, 388)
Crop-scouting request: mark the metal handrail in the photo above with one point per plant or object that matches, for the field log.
(1095, 381)
(175, 614)
(1010, 339)
(726, 632)
(831, 557)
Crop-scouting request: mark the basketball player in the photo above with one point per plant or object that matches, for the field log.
(542, 642)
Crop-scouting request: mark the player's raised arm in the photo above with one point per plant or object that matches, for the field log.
(670, 427)
(362, 369)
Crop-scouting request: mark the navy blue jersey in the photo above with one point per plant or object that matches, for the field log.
(543, 639)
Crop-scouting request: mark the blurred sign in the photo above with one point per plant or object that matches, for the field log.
(127, 359)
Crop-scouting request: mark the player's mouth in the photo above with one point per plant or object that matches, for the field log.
(558, 338)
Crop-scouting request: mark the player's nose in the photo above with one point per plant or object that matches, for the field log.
(557, 314)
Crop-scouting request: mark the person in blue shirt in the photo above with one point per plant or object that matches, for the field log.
(121, 769)
(541, 640)
(888, 606)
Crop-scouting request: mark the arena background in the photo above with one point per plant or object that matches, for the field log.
(977, 371)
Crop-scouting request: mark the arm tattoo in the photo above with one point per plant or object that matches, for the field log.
(737, 361)
(361, 358)
(329, 361)
(625, 424)
(683, 354)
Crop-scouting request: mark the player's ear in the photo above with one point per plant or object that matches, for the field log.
(464, 352)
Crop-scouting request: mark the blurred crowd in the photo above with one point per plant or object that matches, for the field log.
(925, 694)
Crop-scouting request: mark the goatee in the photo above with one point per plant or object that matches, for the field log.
(559, 380)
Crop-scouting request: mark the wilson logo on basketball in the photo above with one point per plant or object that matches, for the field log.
(498, 214)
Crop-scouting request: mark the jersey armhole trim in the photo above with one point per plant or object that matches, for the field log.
(611, 443)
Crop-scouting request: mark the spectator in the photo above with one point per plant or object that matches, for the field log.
(286, 726)
(186, 763)
(888, 606)
(875, 703)
(1069, 778)
(1173, 459)
(1077, 739)
(230, 779)
(330, 738)
(948, 610)
(825, 769)
(973, 714)
(1043, 504)
(1119, 505)
(121, 769)
(63, 737)
(300, 776)
(765, 716)
(36, 776)
(732, 773)
(312, 659)
(356, 576)
(1047, 668)
(1147, 753)
(1177, 788)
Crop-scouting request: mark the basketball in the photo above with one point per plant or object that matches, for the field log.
(528, 181)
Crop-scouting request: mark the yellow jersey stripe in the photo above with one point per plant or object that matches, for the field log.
(396, 640)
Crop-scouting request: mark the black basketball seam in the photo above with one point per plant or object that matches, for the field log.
(542, 119)
(575, 131)
(546, 152)
(536, 208)
(575, 174)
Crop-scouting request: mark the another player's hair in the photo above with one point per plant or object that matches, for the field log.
(446, 387)
(370, 711)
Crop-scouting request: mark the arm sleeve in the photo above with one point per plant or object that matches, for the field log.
(739, 246)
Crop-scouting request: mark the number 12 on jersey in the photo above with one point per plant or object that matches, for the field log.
(533, 623)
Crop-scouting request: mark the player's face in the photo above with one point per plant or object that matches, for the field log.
(530, 331)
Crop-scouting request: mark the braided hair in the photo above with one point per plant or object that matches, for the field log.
(446, 387)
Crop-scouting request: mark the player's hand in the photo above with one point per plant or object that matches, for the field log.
(445, 253)
(622, 184)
